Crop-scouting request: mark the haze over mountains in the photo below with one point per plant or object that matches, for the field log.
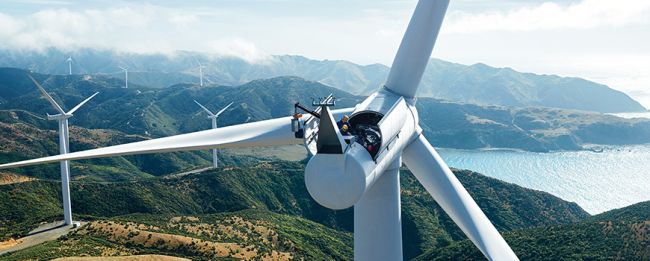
(478, 83)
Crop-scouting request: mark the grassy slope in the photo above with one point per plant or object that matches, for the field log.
(260, 231)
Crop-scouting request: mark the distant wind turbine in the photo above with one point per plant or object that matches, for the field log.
(126, 76)
(213, 117)
(69, 60)
(201, 72)
(64, 146)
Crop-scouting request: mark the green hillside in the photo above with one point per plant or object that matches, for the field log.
(635, 213)
(278, 186)
(621, 234)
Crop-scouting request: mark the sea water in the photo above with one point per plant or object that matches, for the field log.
(597, 181)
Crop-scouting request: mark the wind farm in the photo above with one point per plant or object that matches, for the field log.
(382, 121)
(411, 158)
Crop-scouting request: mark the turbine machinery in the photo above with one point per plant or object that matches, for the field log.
(360, 170)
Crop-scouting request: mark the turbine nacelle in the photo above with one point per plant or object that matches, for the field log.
(381, 127)
(59, 116)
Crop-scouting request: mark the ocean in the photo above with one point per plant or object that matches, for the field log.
(597, 181)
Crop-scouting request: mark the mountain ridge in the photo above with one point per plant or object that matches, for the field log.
(477, 83)
(155, 112)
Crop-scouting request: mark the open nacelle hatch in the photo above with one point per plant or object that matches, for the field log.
(365, 130)
(373, 130)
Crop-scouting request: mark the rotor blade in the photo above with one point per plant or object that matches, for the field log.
(47, 96)
(224, 109)
(255, 134)
(205, 109)
(415, 50)
(261, 133)
(432, 172)
(82, 103)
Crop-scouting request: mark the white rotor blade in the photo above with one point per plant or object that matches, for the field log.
(82, 103)
(261, 133)
(436, 177)
(415, 50)
(255, 134)
(204, 108)
(47, 96)
(224, 109)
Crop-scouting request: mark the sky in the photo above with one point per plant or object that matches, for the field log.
(601, 40)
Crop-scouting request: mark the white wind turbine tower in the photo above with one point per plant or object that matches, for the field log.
(213, 117)
(201, 73)
(64, 147)
(126, 76)
(69, 60)
(361, 170)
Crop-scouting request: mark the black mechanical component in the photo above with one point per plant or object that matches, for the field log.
(297, 106)
(364, 128)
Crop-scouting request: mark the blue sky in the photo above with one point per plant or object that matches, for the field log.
(601, 40)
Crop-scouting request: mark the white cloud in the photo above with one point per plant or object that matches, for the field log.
(183, 20)
(549, 16)
(141, 28)
(44, 2)
(239, 48)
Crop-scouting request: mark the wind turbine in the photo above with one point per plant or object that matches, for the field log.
(363, 174)
(69, 60)
(64, 146)
(213, 117)
(201, 75)
(126, 76)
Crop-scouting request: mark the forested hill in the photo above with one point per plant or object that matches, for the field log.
(620, 234)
